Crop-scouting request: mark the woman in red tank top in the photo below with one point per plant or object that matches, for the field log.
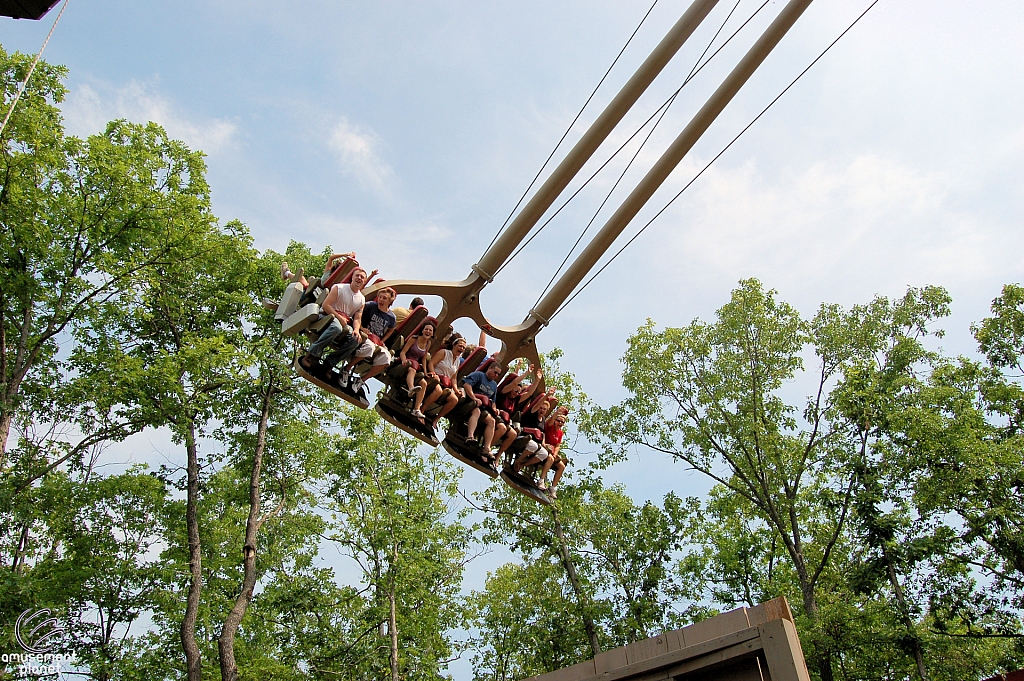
(553, 435)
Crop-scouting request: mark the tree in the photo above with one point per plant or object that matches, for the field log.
(711, 395)
(261, 421)
(395, 522)
(957, 437)
(171, 347)
(737, 558)
(80, 220)
(521, 619)
(597, 564)
(102, 569)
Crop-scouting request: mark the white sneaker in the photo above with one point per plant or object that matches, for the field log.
(356, 385)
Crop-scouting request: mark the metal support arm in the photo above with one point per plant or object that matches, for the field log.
(461, 299)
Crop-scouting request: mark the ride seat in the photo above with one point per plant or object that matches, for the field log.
(536, 433)
(468, 365)
(342, 274)
(537, 400)
(411, 325)
(319, 287)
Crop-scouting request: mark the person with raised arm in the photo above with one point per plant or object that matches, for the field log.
(510, 398)
(332, 262)
(553, 434)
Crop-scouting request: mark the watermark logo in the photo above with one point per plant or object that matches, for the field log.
(38, 634)
(36, 631)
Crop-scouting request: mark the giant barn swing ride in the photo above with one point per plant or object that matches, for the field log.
(299, 309)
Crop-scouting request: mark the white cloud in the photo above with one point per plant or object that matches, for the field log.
(87, 111)
(872, 220)
(357, 150)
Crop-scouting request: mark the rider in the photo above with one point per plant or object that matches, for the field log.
(345, 304)
(412, 354)
(332, 262)
(484, 383)
(509, 398)
(442, 367)
(379, 321)
(553, 435)
(402, 313)
(535, 452)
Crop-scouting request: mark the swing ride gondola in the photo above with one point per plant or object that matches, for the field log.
(299, 308)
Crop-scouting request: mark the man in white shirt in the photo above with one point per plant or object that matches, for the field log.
(344, 303)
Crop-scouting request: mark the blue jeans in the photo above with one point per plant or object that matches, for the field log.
(343, 350)
(318, 346)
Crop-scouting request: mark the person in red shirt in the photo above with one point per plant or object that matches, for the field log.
(553, 435)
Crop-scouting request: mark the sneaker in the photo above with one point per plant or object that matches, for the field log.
(553, 492)
(411, 392)
(308, 361)
(356, 385)
(542, 486)
(343, 377)
(417, 413)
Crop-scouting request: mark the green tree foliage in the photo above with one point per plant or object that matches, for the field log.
(522, 618)
(798, 482)
(81, 220)
(305, 540)
(394, 520)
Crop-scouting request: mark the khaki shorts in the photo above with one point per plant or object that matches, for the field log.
(381, 355)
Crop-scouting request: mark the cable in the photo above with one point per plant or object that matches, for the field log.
(566, 133)
(32, 68)
(640, 148)
(734, 139)
(664, 104)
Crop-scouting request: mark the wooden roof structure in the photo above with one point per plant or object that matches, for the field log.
(746, 644)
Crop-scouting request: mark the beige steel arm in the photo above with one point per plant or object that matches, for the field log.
(461, 299)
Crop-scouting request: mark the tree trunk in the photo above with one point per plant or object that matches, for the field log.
(20, 551)
(822, 657)
(393, 631)
(193, 658)
(908, 623)
(5, 430)
(226, 641)
(582, 598)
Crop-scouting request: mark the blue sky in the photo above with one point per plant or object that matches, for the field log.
(408, 131)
